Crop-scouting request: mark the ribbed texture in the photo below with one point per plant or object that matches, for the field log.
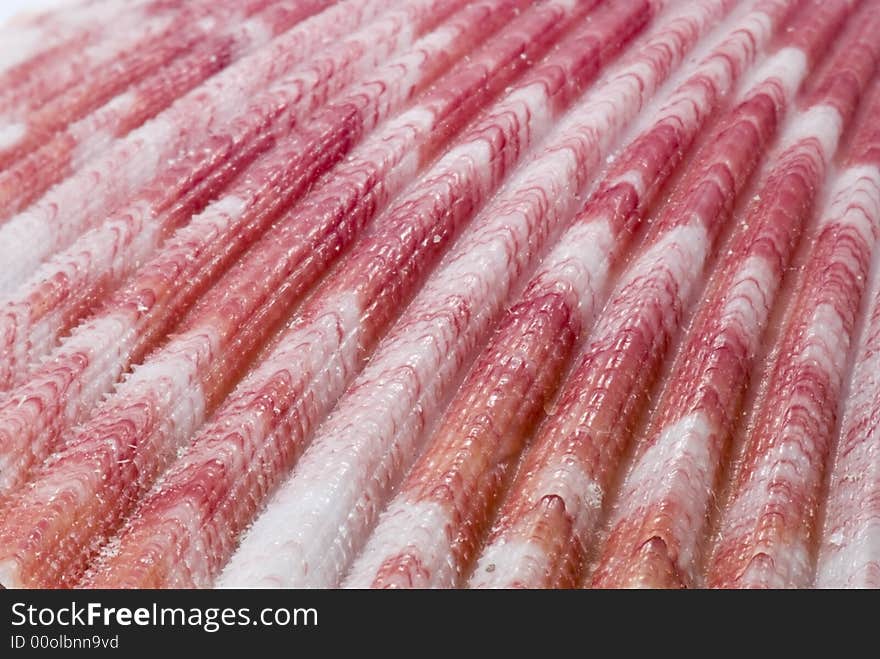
(441, 293)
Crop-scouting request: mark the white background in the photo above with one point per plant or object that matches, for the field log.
(9, 8)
